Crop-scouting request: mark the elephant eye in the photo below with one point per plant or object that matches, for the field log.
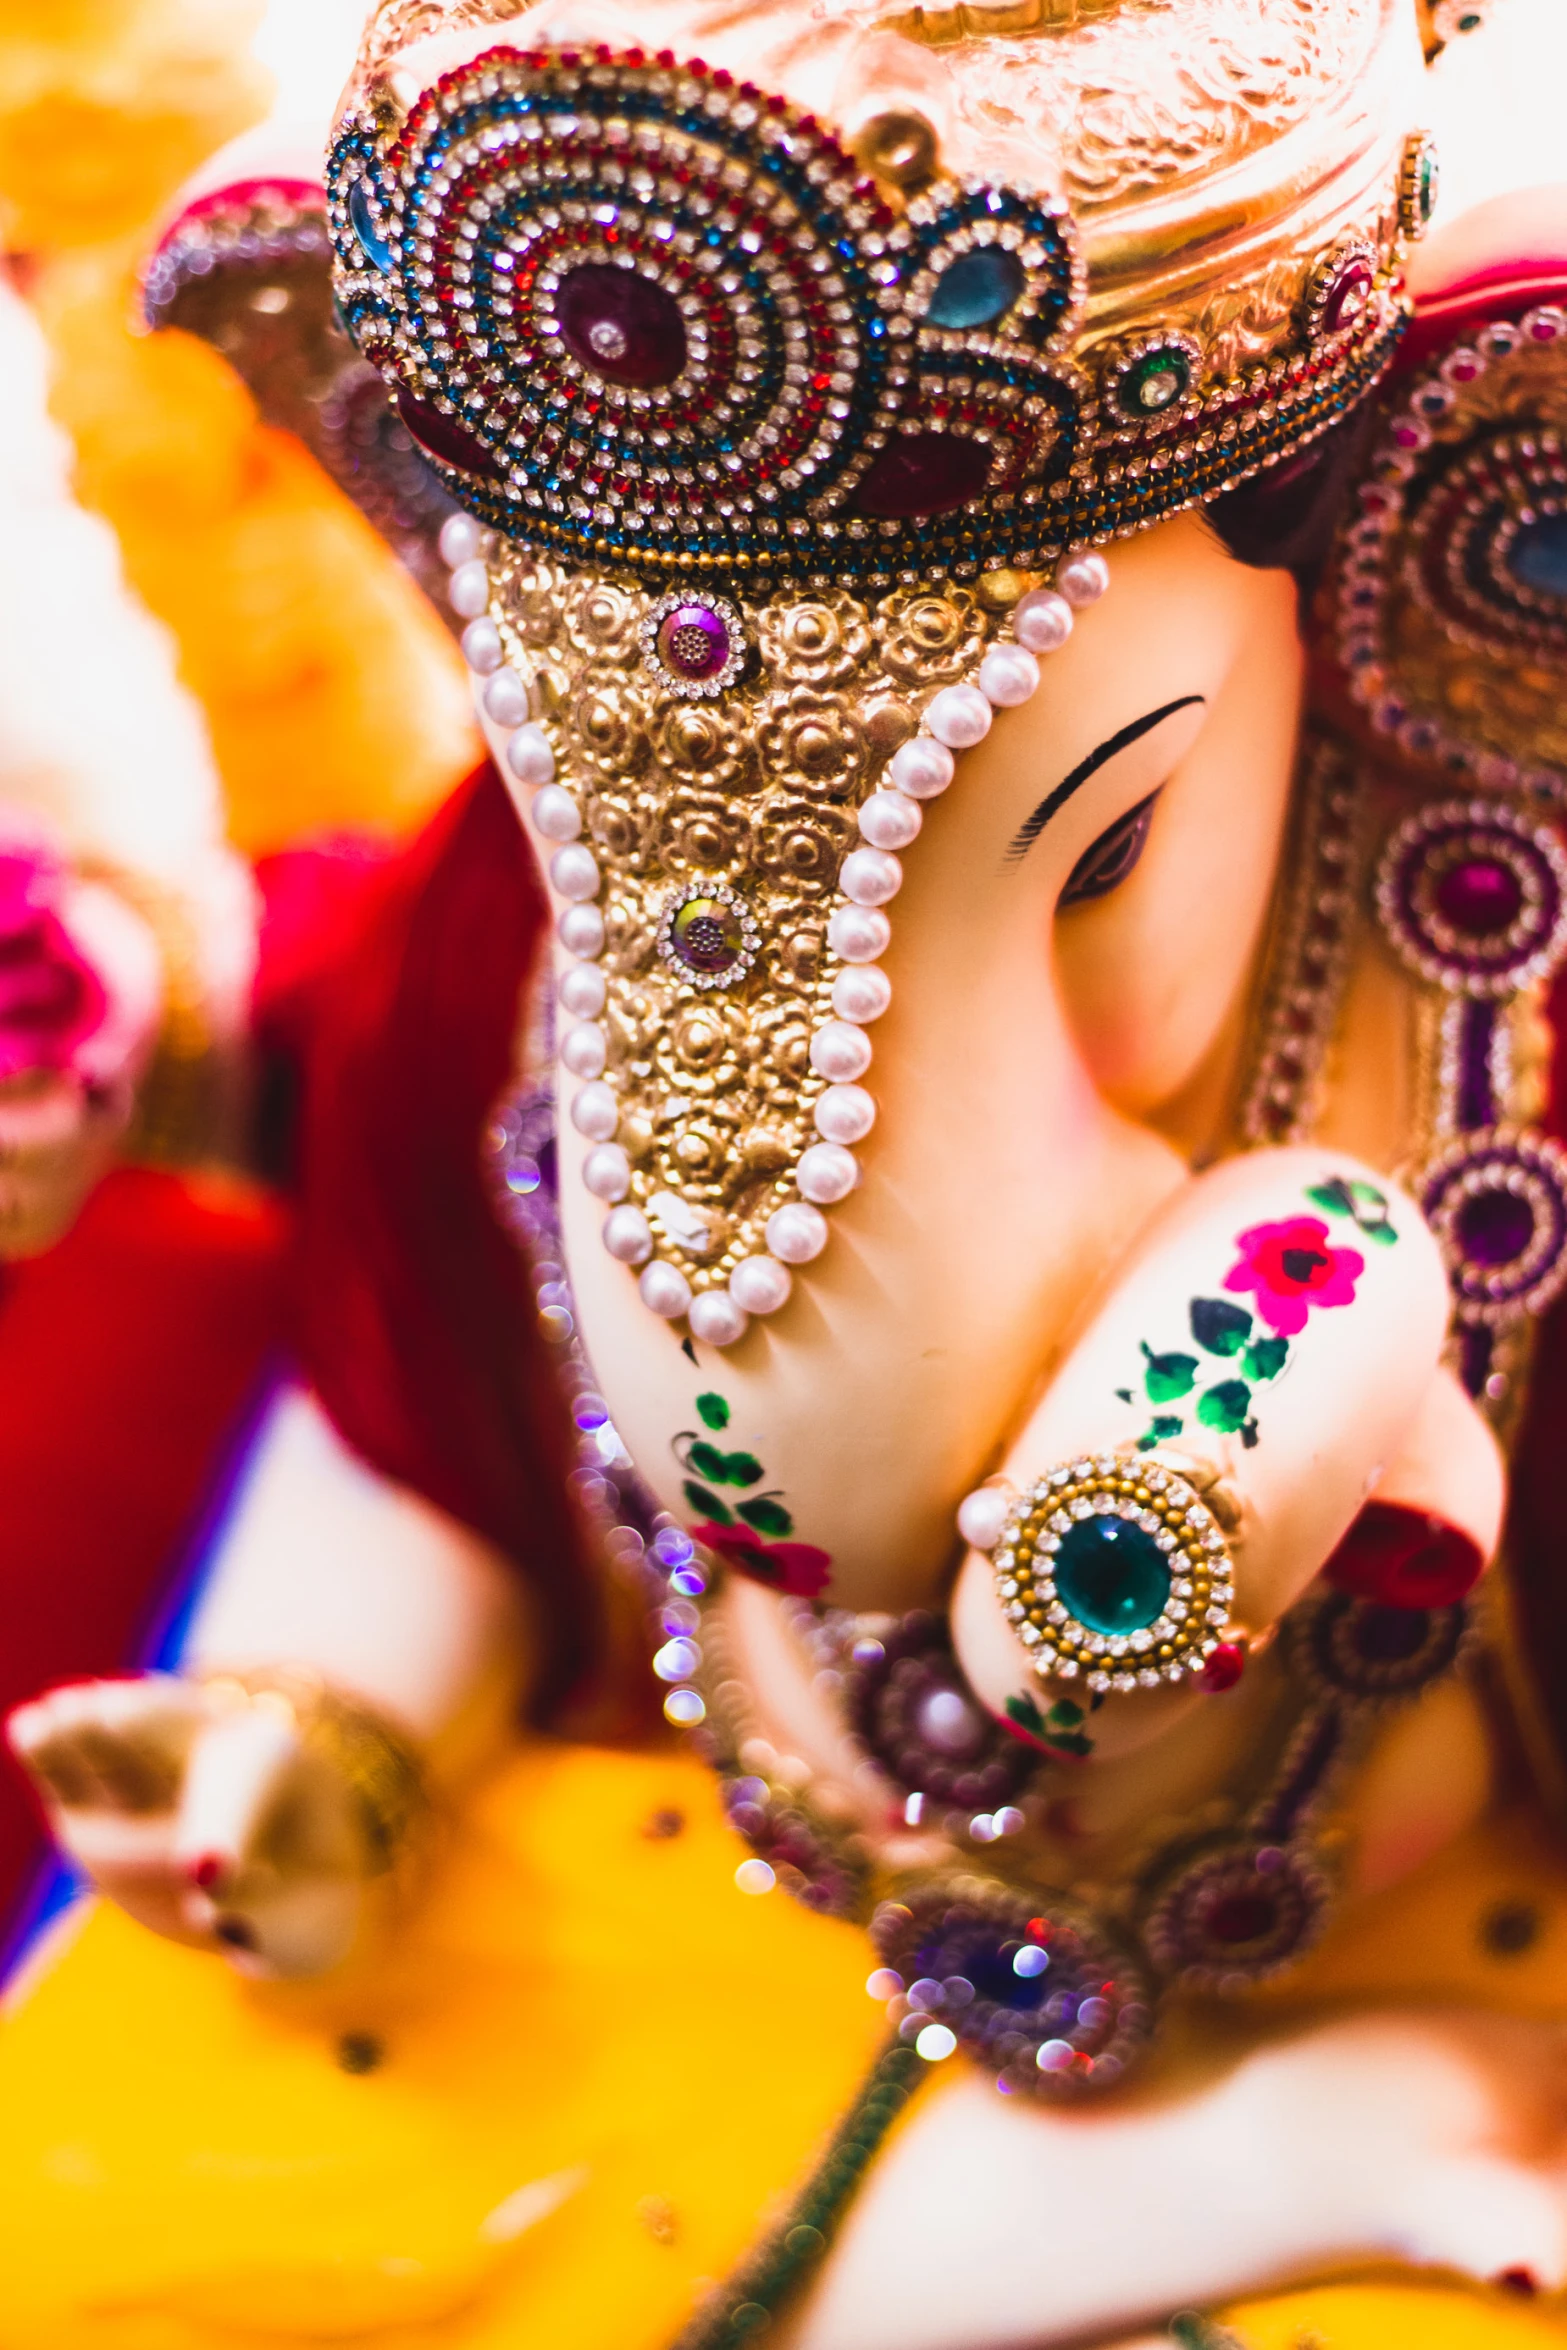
(1104, 866)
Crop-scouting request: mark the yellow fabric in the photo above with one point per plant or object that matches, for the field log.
(605, 2070)
(1396, 2317)
(586, 2026)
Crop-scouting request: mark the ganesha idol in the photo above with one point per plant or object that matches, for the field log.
(1021, 606)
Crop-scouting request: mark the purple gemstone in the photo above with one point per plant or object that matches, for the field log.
(693, 642)
(1347, 296)
(1482, 897)
(444, 438)
(1495, 1228)
(951, 1724)
(621, 325)
(921, 473)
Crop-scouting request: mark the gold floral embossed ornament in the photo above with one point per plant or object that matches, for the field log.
(783, 469)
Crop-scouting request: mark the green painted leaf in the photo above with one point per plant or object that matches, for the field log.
(1366, 1195)
(1333, 1194)
(1218, 1327)
(1160, 1427)
(1125, 1395)
(1265, 1358)
(1069, 1742)
(1027, 1715)
(1168, 1376)
(714, 1411)
(1225, 1407)
(766, 1515)
(1064, 1715)
(724, 1468)
(707, 1505)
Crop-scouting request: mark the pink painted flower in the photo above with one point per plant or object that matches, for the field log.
(51, 998)
(796, 1567)
(1291, 1267)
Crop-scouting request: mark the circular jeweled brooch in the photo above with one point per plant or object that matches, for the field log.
(1115, 1571)
(694, 643)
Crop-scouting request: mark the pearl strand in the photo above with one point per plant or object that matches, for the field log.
(858, 932)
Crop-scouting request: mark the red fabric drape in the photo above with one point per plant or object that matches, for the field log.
(397, 1007)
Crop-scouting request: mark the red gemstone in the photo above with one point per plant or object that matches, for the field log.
(1481, 897)
(1347, 296)
(621, 325)
(1224, 1667)
(1404, 1557)
(921, 473)
(444, 438)
(1241, 1917)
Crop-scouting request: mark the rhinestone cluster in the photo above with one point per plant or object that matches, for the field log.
(1178, 1578)
(637, 311)
(1473, 897)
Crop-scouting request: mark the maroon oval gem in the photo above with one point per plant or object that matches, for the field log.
(1405, 1558)
(1241, 1917)
(442, 437)
(921, 473)
(621, 325)
(1347, 296)
(1481, 897)
(693, 642)
(1495, 1228)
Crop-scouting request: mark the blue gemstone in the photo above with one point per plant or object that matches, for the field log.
(1537, 557)
(976, 289)
(1112, 1575)
(377, 250)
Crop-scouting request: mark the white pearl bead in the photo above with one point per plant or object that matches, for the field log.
(582, 991)
(870, 877)
(1008, 676)
(796, 1234)
(959, 717)
(827, 1173)
(890, 820)
(556, 814)
(581, 931)
(584, 1050)
(575, 873)
(845, 1113)
(923, 768)
(665, 1290)
(595, 1112)
(628, 1236)
(529, 756)
(858, 933)
(760, 1285)
(460, 540)
(482, 648)
(505, 698)
(838, 1051)
(716, 1319)
(1082, 579)
(983, 1516)
(862, 994)
(468, 591)
(1043, 621)
(606, 1171)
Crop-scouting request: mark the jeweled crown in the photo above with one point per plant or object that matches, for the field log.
(646, 313)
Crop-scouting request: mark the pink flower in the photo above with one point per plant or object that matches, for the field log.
(1291, 1267)
(51, 998)
(796, 1567)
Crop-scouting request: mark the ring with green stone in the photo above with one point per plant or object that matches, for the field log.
(1117, 1570)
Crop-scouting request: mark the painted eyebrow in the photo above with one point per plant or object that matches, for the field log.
(1031, 828)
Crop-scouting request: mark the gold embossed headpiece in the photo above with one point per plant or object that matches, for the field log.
(771, 437)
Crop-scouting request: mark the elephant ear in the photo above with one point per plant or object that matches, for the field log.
(1440, 655)
(247, 266)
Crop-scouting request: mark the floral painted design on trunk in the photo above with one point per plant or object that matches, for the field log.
(1290, 1268)
(750, 1533)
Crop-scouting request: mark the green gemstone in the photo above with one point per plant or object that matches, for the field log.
(1112, 1575)
(1154, 383)
(1428, 184)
